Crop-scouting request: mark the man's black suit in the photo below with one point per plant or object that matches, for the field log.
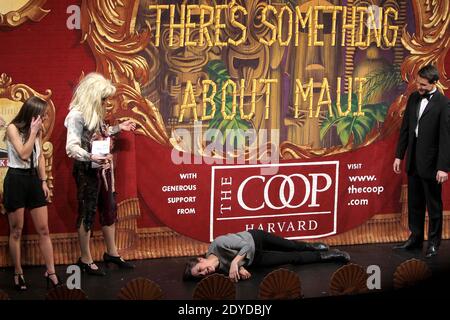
(427, 154)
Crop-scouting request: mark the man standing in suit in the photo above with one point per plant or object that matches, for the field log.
(425, 133)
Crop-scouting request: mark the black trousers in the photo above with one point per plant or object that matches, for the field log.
(424, 194)
(274, 251)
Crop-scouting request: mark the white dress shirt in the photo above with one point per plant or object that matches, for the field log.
(75, 125)
(423, 105)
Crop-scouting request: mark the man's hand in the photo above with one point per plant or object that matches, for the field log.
(98, 159)
(103, 161)
(244, 273)
(234, 272)
(128, 125)
(396, 165)
(441, 176)
(109, 157)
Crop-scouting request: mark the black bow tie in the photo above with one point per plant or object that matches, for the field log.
(427, 96)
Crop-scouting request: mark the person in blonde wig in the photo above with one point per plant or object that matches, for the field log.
(93, 173)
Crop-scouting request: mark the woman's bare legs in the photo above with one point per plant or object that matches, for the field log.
(15, 219)
(40, 220)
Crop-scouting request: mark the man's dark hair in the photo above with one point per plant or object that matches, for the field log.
(430, 73)
(187, 275)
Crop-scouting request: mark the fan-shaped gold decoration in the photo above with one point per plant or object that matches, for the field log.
(281, 284)
(410, 273)
(64, 293)
(349, 279)
(3, 295)
(215, 287)
(140, 289)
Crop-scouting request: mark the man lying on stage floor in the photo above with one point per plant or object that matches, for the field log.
(233, 253)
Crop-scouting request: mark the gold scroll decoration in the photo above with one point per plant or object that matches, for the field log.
(14, 13)
(431, 40)
(12, 97)
(108, 27)
(428, 44)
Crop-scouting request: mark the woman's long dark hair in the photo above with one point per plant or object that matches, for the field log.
(31, 108)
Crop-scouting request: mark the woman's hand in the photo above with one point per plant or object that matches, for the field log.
(128, 125)
(234, 272)
(47, 191)
(36, 125)
(244, 273)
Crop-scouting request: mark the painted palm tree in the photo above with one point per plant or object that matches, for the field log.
(352, 128)
(230, 129)
(355, 129)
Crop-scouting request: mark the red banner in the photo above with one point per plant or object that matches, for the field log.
(300, 200)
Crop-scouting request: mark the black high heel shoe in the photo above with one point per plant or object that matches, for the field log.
(50, 281)
(20, 285)
(87, 267)
(119, 261)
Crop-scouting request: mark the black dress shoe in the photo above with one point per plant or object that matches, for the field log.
(119, 261)
(410, 244)
(335, 255)
(88, 268)
(431, 251)
(316, 246)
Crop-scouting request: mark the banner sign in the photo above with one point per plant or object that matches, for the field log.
(299, 199)
(257, 114)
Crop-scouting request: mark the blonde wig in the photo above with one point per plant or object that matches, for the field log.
(88, 98)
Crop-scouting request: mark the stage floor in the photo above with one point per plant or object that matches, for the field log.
(167, 273)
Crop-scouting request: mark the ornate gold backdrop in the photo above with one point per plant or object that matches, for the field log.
(14, 13)
(127, 55)
(118, 47)
(130, 58)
